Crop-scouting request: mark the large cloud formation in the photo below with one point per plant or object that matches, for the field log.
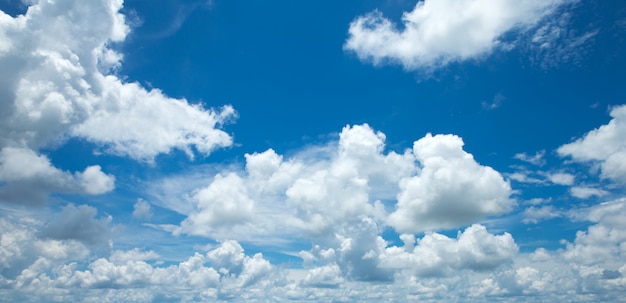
(437, 185)
(58, 81)
(438, 32)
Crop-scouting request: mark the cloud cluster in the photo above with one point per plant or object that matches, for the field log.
(438, 32)
(58, 82)
(474, 266)
(38, 268)
(437, 185)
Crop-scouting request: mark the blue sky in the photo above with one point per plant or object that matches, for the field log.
(384, 151)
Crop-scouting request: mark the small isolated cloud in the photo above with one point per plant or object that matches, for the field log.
(561, 178)
(495, 102)
(535, 214)
(452, 189)
(436, 33)
(604, 146)
(536, 159)
(142, 210)
(582, 192)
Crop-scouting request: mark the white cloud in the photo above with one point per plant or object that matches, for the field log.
(603, 145)
(324, 276)
(28, 178)
(537, 159)
(451, 190)
(436, 33)
(312, 195)
(561, 178)
(21, 247)
(142, 210)
(582, 192)
(437, 255)
(223, 203)
(79, 223)
(55, 59)
(603, 242)
(476, 266)
(536, 214)
(302, 195)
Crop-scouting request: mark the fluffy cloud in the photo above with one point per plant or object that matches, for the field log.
(436, 33)
(223, 203)
(324, 276)
(142, 210)
(603, 242)
(79, 223)
(583, 192)
(604, 145)
(57, 82)
(22, 246)
(476, 266)
(28, 178)
(451, 190)
(33, 269)
(310, 193)
(536, 214)
(437, 185)
(437, 255)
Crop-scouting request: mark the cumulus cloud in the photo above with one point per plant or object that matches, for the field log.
(142, 210)
(56, 83)
(437, 255)
(452, 189)
(304, 194)
(436, 185)
(604, 146)
(602, 243)
(561, 178)
(80, 223)
(324, 276)
(22, 247)
(584, 192)
(29, 177)
(33, 268)
(436, 33)
(223, 203)
(536, 214)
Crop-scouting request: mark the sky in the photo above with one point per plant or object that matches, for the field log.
(320, 151)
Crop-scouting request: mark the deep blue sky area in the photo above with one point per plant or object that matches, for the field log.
(284, 70)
